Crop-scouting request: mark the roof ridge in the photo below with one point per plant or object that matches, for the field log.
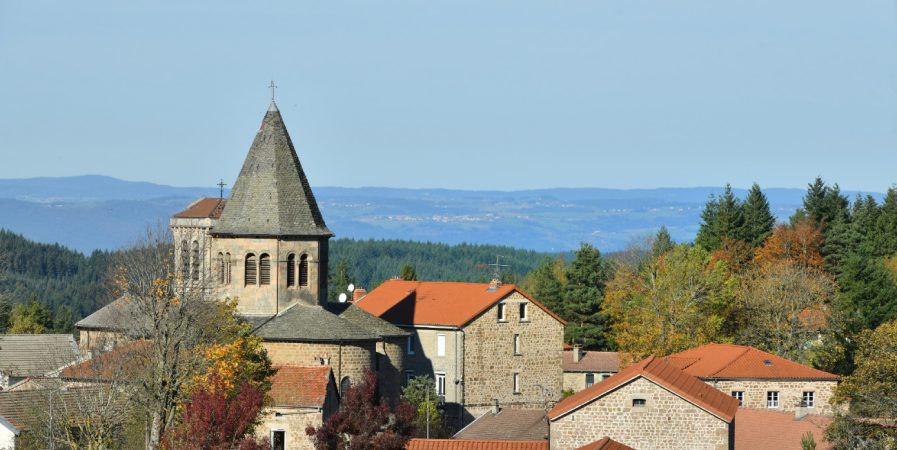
(744, 351)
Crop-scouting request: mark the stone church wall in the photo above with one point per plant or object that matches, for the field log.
(347, 360)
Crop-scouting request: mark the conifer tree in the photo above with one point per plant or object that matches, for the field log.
(662, 242)
(885, 229)
(723, 217)
(823, 203)
(758, 220)
(586, 278)
(408, 273)
(544, 284)
(5, 310)
(340, 279)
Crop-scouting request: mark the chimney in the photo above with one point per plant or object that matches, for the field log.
(577, 353)
(496, 408)
(358, 294)
(494, 284)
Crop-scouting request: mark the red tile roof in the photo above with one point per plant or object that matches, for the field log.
(662, 373)
(605, 443)
(120, 363)
(294, 386)
(762, 428)
(728, 361)
(592, 362)
(204, 208)
(459, 444)
(436, 302)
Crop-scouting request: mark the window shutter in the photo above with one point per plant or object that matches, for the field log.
(251, 270)
(265, 269)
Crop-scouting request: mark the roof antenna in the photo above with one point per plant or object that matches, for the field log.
(496, 272)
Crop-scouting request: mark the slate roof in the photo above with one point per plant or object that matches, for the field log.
(25, 355)
(18, 407)
(303, 323)
(508, 424)
(592, 362)
(116, 316)
(662, 373)
(294, 386)
(605, 443)
(729, 361)
(436, 302)
(762, 428)
(272, 197)
(366, 320)
(458, 444)
(204, 208)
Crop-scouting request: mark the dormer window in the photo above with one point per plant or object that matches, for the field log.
(501, 313)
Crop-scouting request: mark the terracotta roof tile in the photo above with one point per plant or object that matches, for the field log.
(436, 302)
(592, 362)
(728, 361)
(508, 424)
(204, 208)
(463, 444)
(761, 428)
(605, 443)
(300, 386)
(662, 373)
(119, 363)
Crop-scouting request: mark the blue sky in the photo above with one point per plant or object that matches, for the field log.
(462, 94)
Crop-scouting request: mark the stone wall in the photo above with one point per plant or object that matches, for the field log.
(99, 340)
(790, 393)
(426, 360)
(184, 232)
(666, 422)
(576, 381)
(490, 362)
(347, 360)
(391, 367)
(293, 422)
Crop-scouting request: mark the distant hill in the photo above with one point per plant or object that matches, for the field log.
(96, 212)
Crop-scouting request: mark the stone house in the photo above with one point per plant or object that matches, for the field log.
(759, 379)
(650, 405)
(605, 443)
(267, 246)
(584, 368)
(481, 444)
(481, 342)
(33, 355)
(301, 397)
(503, 424)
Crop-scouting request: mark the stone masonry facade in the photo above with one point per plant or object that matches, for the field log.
(490, 362)
(576, 381)
(347, 360)
(790, 393)
(390, 365)
(293, 423)
(666, 422)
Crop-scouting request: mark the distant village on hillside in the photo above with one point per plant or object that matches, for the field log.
(231, 329)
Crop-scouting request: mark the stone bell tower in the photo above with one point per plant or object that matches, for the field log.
(269, 248)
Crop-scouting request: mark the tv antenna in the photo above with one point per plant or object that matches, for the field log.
(497, 266)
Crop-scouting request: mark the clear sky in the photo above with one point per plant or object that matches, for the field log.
(456, 94)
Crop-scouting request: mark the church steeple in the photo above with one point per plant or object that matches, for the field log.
(272, 197)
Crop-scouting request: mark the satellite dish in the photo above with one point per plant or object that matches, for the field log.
(343, 298)
(351, 288)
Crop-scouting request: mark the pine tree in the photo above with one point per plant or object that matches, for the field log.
(662, 242)
(823, 204)
(885, 228)
(545, 286)
(340, 279)
(758, 220)
(723, 217)
(5, 310)
(586, 278)
(408, 273)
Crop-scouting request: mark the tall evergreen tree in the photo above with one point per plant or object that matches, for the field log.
(5, 310)
(824, 204)
(723, 217)
(408, 273)
(662, 242)
(340, 279)
(758, 220)
(545, 286)
(884, 239)
(587, 276)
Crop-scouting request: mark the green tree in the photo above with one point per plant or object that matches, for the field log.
(884, 238)
(63, 320)
(30, 318)
(662, 242)
(421, 394)
(824, 204)
(340, 279)
(758, 220)
(723, 217)
(408, 273)
(545, 283)
(586, 278)
(5, 310)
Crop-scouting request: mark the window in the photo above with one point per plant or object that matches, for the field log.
(772, 399)
(194, 262)
(590, 379)
(501, 312)
(227, 268)
(278, 440)
(738, 395)
(517, 344)
(440, 383)
(440, 345)
(185, 261)
(250, 270)
(605, 376)
(409, 345)
(221, 267)
(639, 403)
(344, 385)
(409, 374)
(516, 383)
(523, 317)
(265, 269)
(808, 400)
(291, 270)
(303, 271)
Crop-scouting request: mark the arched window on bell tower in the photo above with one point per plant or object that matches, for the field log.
(220, 267)
(303, 271)
(185, 260)
(264, 269)
(291, 270)
(250, 270)
(227, 264)
(194, 262)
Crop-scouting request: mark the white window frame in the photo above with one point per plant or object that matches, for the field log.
(516, 382)
(587, 380)
(440, 383)
(518, 345)
(409, 345)
(440, 344)
(808, 399)
(524, 312)
(772, 399)
(502, 312)
(738, 395)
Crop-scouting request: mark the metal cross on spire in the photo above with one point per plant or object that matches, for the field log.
(221, 185)
(273, 87)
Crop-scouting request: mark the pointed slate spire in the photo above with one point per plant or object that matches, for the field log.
(272, 197)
